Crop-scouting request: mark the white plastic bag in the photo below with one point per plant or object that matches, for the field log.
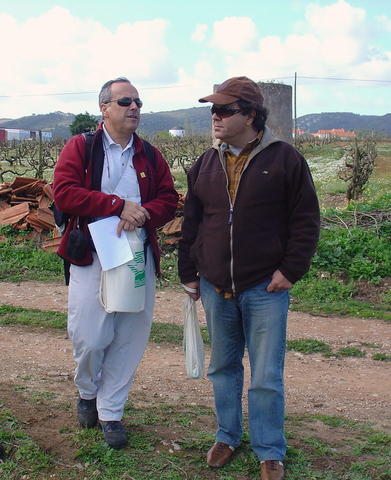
(193, 344)
(122, 289)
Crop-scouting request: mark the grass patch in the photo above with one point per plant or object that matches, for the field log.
(333, 296)
(23, 458)
(32, 317)
(382, 357)
(342, 260)
(22, 260)
(168, 266)
(353, 308)
(350, 352)
(41, 397)
(370, 345)
(308, 345)
(169, 442)
(160, 333)
(170, 333)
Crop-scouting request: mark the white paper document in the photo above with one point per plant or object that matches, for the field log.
(112, 250)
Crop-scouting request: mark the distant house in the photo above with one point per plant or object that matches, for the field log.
(335, 133)
(177, 132)
(18, 134)
(298, 132)
(47, 136)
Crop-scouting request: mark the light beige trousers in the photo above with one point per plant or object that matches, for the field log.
(107, 347)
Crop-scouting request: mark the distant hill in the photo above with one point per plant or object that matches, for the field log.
(349, 121)
(198, 120)
(193, 120)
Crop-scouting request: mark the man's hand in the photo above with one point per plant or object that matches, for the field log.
(133, 215)
(278, 282)
(194, 286)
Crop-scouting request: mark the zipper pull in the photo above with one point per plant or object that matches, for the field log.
(231, 211)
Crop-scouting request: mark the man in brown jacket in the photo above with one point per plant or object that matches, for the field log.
(250, 229)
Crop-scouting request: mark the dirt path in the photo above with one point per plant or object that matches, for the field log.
(39, 360)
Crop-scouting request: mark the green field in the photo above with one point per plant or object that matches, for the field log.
(350, 275)
(351, 268)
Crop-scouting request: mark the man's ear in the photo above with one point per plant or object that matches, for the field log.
(103, 109)
(250, 118)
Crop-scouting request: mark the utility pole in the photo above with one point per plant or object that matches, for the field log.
(40, 174)
(294, 108)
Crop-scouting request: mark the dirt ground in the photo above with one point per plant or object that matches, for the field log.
(40, 360)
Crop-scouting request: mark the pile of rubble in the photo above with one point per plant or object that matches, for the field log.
(24, 204)
(172, 229)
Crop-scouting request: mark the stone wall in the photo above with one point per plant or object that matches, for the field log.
(278, 101)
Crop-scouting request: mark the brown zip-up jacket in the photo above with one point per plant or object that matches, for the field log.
(273, 223)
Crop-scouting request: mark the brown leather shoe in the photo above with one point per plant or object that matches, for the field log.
(219, 454)
(272, 470)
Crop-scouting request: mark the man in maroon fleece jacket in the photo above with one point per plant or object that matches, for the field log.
(121, 176)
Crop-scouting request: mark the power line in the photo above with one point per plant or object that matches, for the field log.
(83, 93)
(183, 86)
(347, 79)
(330, 78)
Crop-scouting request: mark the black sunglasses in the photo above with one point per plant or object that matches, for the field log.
(224, 111)
(127, 101)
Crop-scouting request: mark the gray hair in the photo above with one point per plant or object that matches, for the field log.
(105, 91)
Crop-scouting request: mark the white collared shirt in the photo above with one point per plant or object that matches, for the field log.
(119, 175)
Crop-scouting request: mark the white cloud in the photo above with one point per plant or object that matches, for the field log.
(187, 91)
(385, 22)
(199, 33)
(339, 19)
(234, 34)
(57, 52)
(334, 41)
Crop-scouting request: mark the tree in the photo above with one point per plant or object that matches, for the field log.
(32, 158)
(359, 165)
(83, 122)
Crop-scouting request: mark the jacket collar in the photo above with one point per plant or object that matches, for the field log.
(267, 139)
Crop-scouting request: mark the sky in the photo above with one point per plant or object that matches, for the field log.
(55, 55)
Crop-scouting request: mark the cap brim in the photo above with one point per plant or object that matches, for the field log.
(219, 98)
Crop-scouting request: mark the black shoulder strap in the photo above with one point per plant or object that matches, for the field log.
(150, 152)
(89, 138)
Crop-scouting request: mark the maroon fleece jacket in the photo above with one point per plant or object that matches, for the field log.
(77, 190)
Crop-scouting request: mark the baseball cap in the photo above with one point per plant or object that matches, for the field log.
(236, 88)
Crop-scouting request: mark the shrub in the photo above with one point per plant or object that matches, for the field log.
(324, 290)
(359, 254)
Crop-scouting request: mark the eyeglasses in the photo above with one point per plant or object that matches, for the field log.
(127, 101)
(224, 111)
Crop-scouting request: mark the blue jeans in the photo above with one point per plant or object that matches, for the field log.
(257, 319)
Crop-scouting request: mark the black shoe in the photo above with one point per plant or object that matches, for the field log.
(114, 434)
(87, 413)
